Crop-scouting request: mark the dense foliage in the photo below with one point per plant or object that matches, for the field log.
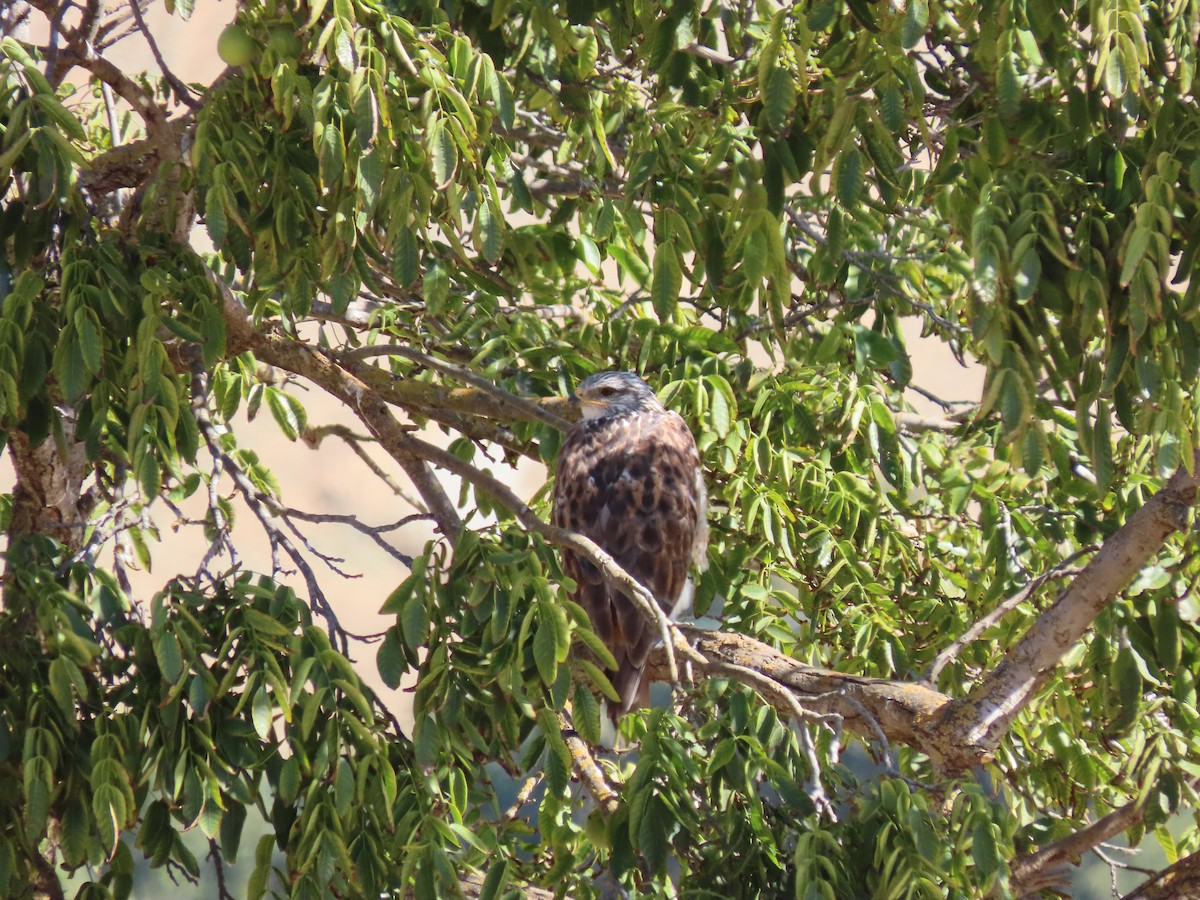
(411, 205)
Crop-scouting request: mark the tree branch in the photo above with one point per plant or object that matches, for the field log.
(977, 723)
(585, 766)
(873, 708)
(972, 634)
(182, 91)
(1043, 868)
(507, 400)
(1182, 880)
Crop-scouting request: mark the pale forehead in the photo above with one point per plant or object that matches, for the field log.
(612, 379)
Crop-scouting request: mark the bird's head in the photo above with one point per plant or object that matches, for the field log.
(613, 393)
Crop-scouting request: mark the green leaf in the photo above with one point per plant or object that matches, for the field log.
(654, 829)
(287, 411)
(60, 685)
(256, 887)
(985, 852)
(1135, 250)
(1028, 274)
(1102, 458)
(916, 19)
(332, 155)
(443, 154)
(108, 807)
(89, 341)
(779, 98)
(169, 656)
(721, 404)
(149, 475)
(231, 830)
(10, 156)
(70, 366)
(545, 648)
(586, 714)
(503, 97)
(1116, 78)
(488, 233)
(588, 253)
(76, 827)
(1033, 449)
(1127, 679)
(62, 117)
(891, 107)
(667, 281)
(406, 257)
(289, 778)
(756, 254)
(588, 638)
(872, 349)
(425, 742)
(497, 878)
(1008, 88)
(215, 217)
(414, 621)
(370, 179)
(1168, 639)
(262, 713)
(390, 659)
(343, 787)
(849, 178)
(630, 264)
(600, 679)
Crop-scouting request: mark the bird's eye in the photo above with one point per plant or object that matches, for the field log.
(607, 391)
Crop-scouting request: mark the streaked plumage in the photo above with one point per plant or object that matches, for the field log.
(629, 478)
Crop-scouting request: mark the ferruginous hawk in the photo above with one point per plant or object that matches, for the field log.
(629, 478)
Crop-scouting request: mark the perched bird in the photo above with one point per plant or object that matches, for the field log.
(629, 478)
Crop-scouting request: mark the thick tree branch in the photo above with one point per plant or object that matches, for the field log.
(872, 708)
(128, 89)
(977, 723)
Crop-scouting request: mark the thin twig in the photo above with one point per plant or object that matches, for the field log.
(374, 532)
(253, 498)
(1062, 570)
(182, 91)
(708, 53)
(888, 760)
(815, 787)
(214, 853)
(769, 688)
(314, 435)
(522, 797)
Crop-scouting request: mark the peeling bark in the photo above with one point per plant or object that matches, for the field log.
(48, 489)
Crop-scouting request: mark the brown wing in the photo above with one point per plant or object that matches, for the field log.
(632, 484)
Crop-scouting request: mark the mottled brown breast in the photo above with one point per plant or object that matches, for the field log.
(632, 484)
